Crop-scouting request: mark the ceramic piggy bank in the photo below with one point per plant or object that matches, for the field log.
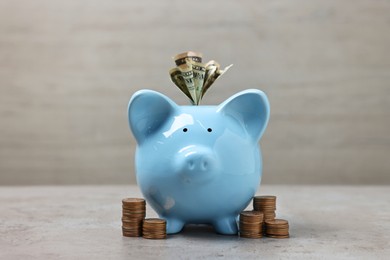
(198, 164)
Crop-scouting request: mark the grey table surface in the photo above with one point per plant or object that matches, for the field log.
(83, 222)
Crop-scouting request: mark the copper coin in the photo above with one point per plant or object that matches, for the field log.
(275, 232)
(251, 213)
(134, 205)
(132, 200)
(155, 220)
(273, 236)
(130, 225)
(277, 222)
(265, 197)
(154, 237)
(133, 212)
(131, 220)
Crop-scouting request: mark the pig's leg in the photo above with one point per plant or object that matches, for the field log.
(174, 225)
(226, 226)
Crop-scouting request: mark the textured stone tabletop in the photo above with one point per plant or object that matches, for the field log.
(83, 222)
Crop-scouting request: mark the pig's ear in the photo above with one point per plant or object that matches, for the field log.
(250, 108)
(148, 110)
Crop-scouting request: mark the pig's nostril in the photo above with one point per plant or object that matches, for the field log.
(204, 165)
(191, 164)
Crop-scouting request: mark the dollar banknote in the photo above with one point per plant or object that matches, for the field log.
(192, 55)
(188, 77)
(199, 71)
(178, 79)
(215, 73)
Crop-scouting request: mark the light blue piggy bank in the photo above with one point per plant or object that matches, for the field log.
(198, 164)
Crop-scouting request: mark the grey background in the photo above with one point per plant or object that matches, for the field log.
(68, 69)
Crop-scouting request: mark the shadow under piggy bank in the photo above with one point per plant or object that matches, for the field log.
(198, 164)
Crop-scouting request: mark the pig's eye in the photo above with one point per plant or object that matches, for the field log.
(209, 130)
(185, 130)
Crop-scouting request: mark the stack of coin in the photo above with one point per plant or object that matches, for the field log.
(133, 213)
(251, 224)
(266, 204)
(277, 228)
(154, 228)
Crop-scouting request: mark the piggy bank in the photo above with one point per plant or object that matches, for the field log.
(198, 164)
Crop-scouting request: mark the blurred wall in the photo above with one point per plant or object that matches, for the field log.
(68, 69)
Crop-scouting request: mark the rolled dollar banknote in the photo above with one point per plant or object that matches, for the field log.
(210, 67)
(181, 58)
(214, 73)
(199, 71)
(178, 79)
(188, 76)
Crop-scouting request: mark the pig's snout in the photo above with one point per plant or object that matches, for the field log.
(198, 162)
(194, 160)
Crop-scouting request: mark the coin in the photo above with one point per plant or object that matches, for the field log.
(277, 222)
(273, 236)
(130, 214)
(251, 216)
(133, 200)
